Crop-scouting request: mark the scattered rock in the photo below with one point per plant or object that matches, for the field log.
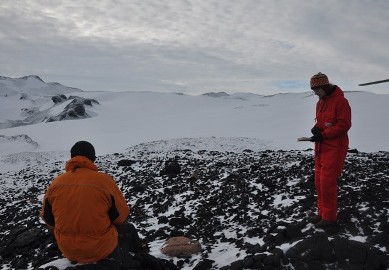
(234, 205)
(172, 168)
(180, 247)
(126, 162)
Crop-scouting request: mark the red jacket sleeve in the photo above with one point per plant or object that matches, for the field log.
(343, 121)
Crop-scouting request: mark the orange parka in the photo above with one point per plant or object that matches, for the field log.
(83, 205)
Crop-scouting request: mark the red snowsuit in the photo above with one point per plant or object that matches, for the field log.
(333, 118)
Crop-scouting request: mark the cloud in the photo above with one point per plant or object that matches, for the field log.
(195, 45)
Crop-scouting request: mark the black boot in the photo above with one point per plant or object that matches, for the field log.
(314, 219)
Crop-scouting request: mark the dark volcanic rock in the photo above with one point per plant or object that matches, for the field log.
(204, 265)
(315, 248)
(254, 203)
(172, 167)
(58, 99)
(126, 162)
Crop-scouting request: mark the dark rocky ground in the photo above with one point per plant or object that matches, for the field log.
(254, 202)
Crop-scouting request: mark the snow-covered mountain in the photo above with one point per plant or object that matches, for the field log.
(117, 120)
(29, 100)
(242, 144)
(32, 85)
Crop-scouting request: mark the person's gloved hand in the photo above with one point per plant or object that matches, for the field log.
(315, 130)
(317, 138)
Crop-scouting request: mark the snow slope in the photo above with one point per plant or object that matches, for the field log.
(128, 118)
(157, 126)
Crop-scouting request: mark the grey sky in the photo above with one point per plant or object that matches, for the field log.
(196, 46)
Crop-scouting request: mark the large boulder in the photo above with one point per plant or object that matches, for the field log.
(180, 246)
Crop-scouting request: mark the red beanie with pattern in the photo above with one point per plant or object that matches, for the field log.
(319, 80)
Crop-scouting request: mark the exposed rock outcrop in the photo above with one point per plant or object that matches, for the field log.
(74, 110)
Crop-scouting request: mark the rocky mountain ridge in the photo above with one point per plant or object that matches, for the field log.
(41, 102)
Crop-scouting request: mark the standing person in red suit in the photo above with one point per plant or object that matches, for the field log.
(333, 120)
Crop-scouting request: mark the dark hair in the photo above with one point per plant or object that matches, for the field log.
(83, 148)
(329, 89)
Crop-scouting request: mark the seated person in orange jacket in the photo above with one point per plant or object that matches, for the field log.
(83, 206)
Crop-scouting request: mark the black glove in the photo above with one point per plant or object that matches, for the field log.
(317, 138)
(315, 130)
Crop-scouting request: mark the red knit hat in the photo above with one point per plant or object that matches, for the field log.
(319, 80)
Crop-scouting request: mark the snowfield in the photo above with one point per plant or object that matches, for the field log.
(243, 189)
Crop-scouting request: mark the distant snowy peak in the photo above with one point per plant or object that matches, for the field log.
(32, 85)
(19, 138)
(75, 109)
(17, 143)
(59, 108)
(218, 94)
(31, 77)
(29, 100)
(243, 95)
